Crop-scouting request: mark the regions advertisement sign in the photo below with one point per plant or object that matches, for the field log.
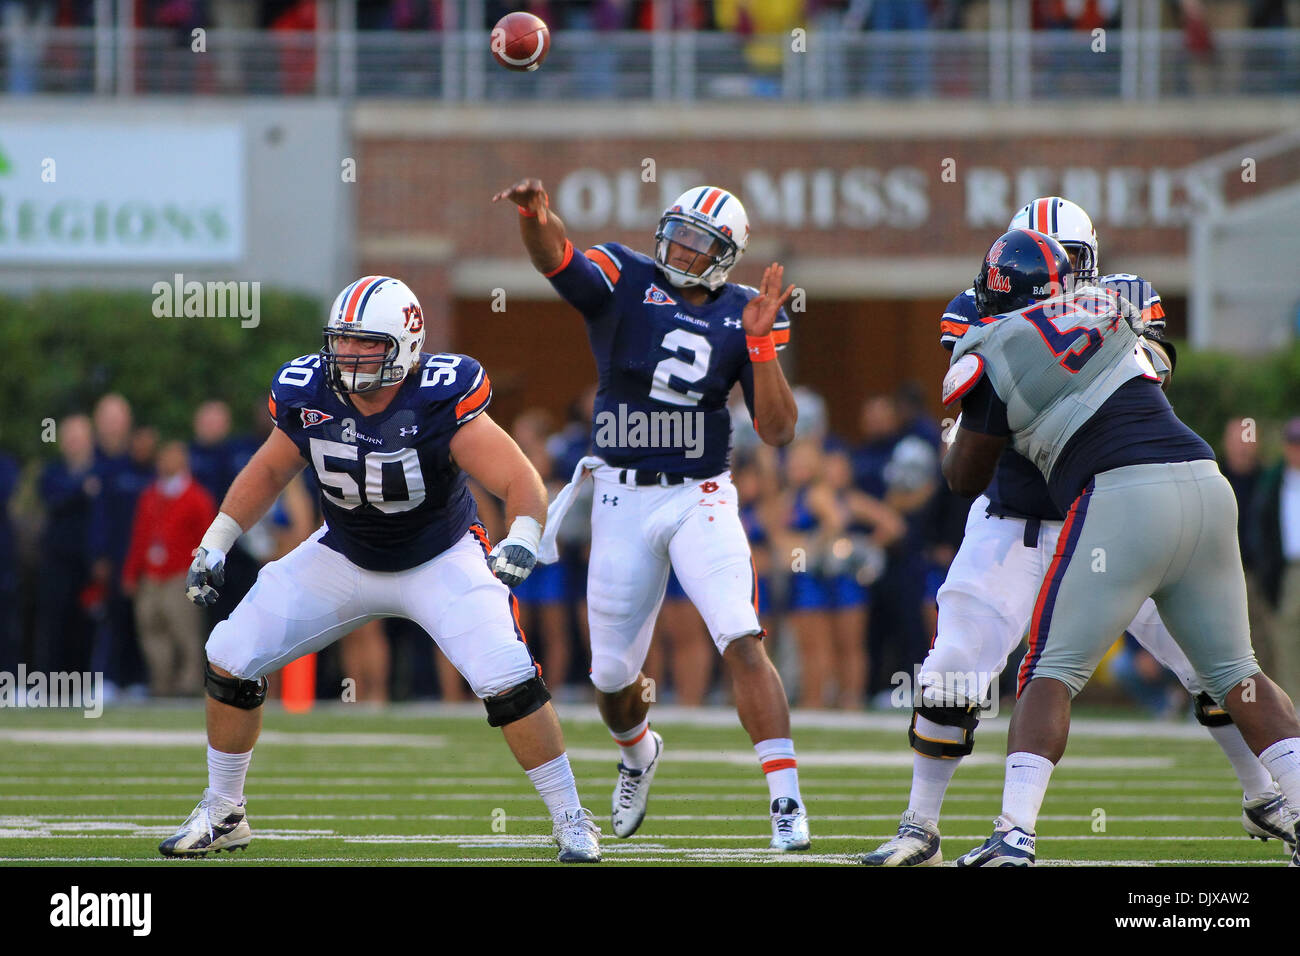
(126, 194)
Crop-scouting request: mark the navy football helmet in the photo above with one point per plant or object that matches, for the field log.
(1020, 268)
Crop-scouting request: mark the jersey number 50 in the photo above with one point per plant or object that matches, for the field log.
(341, 488)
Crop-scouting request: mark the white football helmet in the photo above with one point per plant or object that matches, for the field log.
(378, 309)
(1068, 224)
(709, 222)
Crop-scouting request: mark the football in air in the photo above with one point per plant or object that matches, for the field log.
(520, 41)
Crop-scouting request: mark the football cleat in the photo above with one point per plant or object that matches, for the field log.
(1267, 818)
(632, 793)
(1008, 846)
(578, 837)
(216, 824)
(917, 844)
(789, 826)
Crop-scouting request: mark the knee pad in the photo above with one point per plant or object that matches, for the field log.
(244, 694)
(1209, 713)
(964, 718)
(516, 704)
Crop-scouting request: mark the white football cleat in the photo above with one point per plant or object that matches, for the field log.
(917, 844)
(632, 793)
(789, 825)
(1008, 846)
(216, 824)
(578, 837)
(1268, 817)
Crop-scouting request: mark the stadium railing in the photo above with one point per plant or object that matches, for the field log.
(993, 65)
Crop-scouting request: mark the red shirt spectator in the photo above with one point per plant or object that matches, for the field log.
(170, 519)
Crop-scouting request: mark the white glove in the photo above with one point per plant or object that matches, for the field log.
(515, 556)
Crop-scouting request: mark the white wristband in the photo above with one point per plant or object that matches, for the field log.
(527, 530)
(221, 534)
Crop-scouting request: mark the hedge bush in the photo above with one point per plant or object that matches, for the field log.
(62, 350)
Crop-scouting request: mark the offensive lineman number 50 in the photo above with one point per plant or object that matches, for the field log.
(340, 486)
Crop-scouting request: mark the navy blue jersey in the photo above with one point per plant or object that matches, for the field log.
(1018, 489)
(656, 354)
(389, 490)
(1141, 293)
(1135, 426)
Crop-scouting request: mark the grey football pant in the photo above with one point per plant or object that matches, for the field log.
(1166, 531)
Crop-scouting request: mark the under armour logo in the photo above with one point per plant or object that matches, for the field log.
(732, 323)
(404, 431)
(607, 500)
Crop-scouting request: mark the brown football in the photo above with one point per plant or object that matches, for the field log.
(520, 41)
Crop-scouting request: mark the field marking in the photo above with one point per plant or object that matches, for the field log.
(198, 738)
(15, 821)
(870, 758)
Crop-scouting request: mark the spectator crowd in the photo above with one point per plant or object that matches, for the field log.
(851, 537)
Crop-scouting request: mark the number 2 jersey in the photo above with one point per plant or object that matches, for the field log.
(391, 495)
(1018, 489)
(655, 353)
(1067, 380)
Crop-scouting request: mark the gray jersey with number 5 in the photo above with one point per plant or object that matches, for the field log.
(1054, 364)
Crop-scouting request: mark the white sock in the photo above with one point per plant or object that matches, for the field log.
(1024, 789)
(776, 756)
(1255, 780)
(554, 781)
(1282, 760)
(637, 745)
(930, 779)
(226, 773)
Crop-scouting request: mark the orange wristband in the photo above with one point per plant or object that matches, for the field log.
(526, 214)
(762, 348)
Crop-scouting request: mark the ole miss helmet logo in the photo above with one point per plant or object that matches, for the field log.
(312, 417)
(996, 252)
(657, 296)
(997, 282)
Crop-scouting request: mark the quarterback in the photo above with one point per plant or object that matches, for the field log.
(392, 433)
(671, 337)
(1066, 381)
(988, 596)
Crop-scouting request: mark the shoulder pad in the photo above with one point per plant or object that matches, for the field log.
(447, 378)
(298, 381)
(962, 376)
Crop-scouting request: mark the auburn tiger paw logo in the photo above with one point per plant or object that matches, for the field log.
(709, 487)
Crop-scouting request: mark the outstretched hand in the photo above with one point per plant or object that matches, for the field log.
(760, 311)
(529, 194)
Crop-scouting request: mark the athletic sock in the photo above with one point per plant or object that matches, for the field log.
(559, 791)
(226, 774)
(930, 779)
(776, 756)
(1282, 760)
(637, 745)
(1255, 780)
(1024, 789)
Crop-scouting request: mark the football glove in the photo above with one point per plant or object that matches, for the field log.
(208, 569)
(514, 557)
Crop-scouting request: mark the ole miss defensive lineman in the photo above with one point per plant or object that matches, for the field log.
(671, 337)
(392, 434)
(988, 596)
(1067, 381)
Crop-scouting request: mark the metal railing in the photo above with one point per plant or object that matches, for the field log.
(995, 65)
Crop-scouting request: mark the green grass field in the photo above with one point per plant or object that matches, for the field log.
(436, 785)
